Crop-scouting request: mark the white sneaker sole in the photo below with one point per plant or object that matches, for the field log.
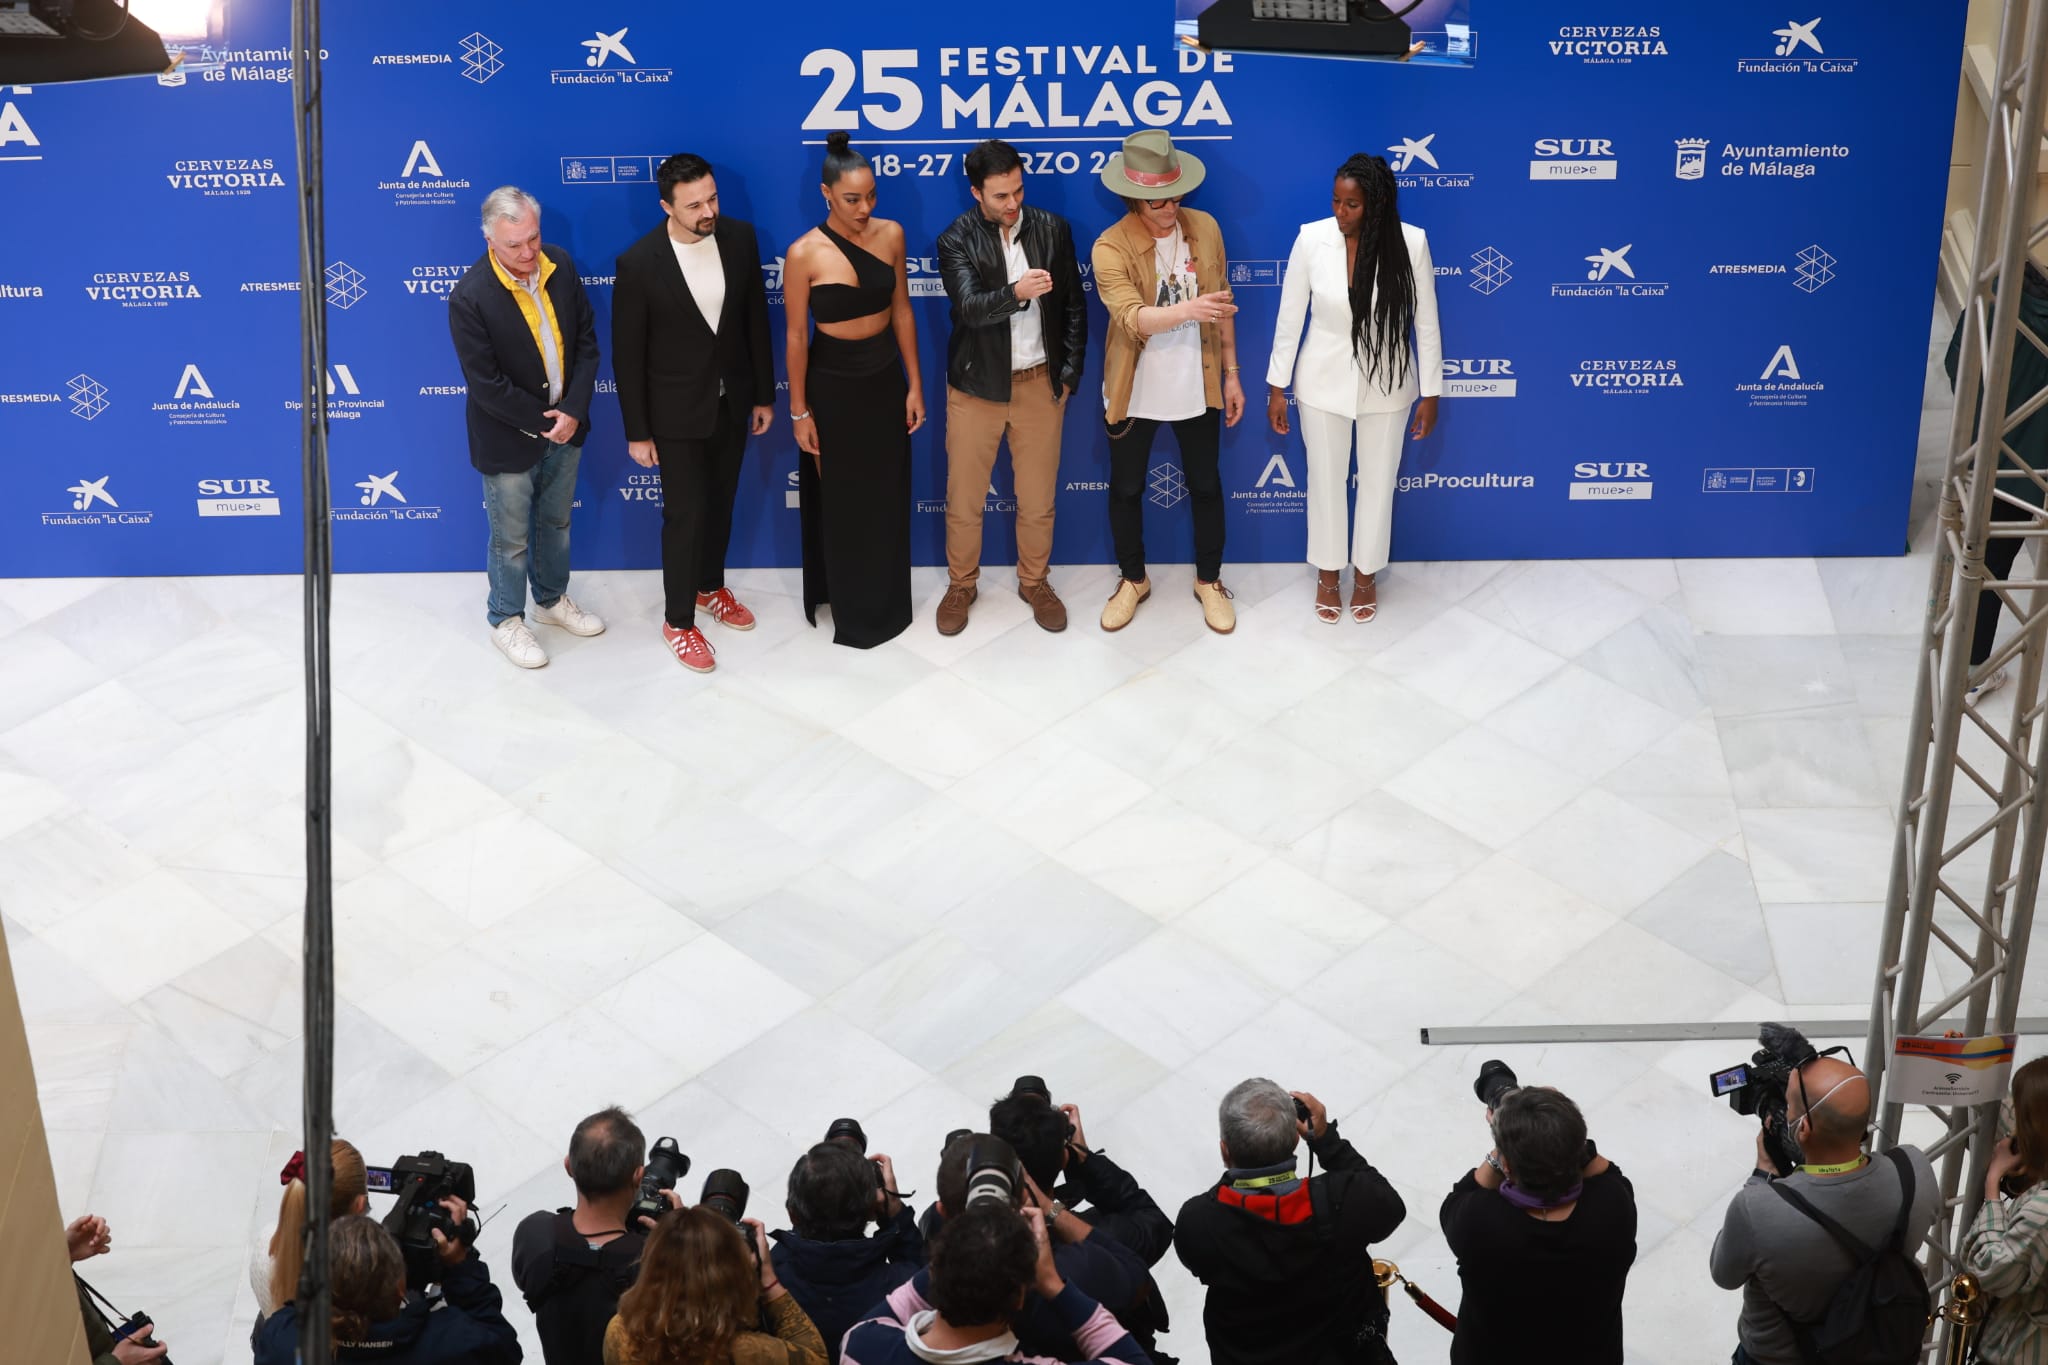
(516, 662)
(541, 620)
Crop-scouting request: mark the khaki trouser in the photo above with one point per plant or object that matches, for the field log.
(975, 429)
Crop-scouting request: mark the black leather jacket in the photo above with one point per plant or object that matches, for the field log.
(977, 282)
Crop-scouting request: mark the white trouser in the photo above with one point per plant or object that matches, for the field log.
(1328, 438)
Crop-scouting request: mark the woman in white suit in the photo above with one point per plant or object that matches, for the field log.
(1363, 279)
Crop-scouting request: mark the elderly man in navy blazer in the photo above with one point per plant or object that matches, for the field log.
(528, 346)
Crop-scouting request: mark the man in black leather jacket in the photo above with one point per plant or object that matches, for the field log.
(1020, 335)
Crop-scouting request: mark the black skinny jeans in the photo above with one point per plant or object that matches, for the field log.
(699, 479)
(1130, 452)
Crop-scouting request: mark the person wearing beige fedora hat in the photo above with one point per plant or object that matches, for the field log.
(1171, 360)
(1363, 280)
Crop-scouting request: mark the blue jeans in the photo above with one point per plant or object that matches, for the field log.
(529, 516)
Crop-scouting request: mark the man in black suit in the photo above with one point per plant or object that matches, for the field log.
(528, 347)
(690, 351)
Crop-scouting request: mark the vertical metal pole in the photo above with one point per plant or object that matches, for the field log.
(314, 1299)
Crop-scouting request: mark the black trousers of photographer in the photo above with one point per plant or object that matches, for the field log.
(699, 479)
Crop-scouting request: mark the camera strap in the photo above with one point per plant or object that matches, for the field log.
(119, 1316)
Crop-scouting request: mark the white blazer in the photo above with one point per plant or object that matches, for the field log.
(1328, 376)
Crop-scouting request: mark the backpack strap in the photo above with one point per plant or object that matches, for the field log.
(1904, 1166)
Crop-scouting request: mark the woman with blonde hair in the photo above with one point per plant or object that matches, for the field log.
(701, 1297)
(274, 1266)
(2007, 1249)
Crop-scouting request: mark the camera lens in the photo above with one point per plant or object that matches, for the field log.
(848, 1130)
(1496, 1078)
(1032, 1085)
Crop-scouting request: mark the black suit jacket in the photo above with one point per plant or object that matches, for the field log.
(667, 361)
(502, 366)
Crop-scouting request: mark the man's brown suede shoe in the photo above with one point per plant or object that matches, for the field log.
(1046, 607)
(952, 613)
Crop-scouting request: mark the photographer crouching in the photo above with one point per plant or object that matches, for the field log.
(986, 1264)
(377, 1318)
(2007, 1249)
(1544, 1226)
(1797, 1276)
(980, 1169)
(827, 1259)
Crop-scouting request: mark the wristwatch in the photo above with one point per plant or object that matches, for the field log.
(1053, 1214)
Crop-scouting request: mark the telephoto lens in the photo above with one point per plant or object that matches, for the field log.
(848, 1130)
(666, 1164)
(1495, 1080)
(725, 1193)
(1032, 1085)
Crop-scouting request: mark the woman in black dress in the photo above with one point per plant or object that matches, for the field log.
(854, 396)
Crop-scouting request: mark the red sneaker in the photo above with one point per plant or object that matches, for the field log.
(690, 647)
(725, 609)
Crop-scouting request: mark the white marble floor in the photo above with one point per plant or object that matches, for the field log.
(823, 882)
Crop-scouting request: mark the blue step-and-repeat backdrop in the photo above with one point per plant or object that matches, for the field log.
(1684, 254)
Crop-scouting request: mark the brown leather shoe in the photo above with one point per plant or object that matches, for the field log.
(952, 613)
(1046, 607)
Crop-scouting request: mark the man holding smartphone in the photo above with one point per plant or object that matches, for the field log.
(1020, 335)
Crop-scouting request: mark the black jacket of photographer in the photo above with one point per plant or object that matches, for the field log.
(465, 1327)
(1290, 1275)
(977, 282)
(572, 1287)
(839, 1283)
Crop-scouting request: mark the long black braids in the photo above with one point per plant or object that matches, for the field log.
(1383, 280)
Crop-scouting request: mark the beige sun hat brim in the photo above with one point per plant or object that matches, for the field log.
(1191, 174)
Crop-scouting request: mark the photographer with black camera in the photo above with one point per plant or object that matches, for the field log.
(1051, 1143)
(2007, 1249)
(827, 1259)
(980, 1168)
(128, 1342)
(1816, 1211)
(1287, 1260)
(1544, 1226)
(986, 1265)
(377, 1318)
(706, 1285)
(572, 1264)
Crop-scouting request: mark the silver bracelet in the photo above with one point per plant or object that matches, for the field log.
(803, 416)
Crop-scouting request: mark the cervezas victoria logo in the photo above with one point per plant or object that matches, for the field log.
(1608, 44)
(607, 60)
(433, 281)
(225, 177)
(1635, 376)
(142, 288)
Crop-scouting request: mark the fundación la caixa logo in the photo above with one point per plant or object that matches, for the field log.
(1798, 51)
(600, 67)
(94, 504)
(1413, 161)
(381, 499)
(1611, 275)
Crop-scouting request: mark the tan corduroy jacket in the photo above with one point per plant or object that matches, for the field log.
(1127, 279)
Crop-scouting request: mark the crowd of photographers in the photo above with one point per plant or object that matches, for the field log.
(1038, 1247)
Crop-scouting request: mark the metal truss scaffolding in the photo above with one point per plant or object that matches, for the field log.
(1966, 855)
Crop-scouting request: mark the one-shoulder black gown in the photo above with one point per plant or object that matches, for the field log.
(855, 498)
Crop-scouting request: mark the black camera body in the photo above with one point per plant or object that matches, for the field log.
(666, 1165)
(139, 1328)
(419, 1184)
(1756, 1088)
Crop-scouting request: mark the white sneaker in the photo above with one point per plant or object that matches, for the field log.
(1997, 679)
(516, 643)
(570, 617)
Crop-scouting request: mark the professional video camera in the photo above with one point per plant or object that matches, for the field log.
(419, 1184)
(666, 1164)
(1758, 1087)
